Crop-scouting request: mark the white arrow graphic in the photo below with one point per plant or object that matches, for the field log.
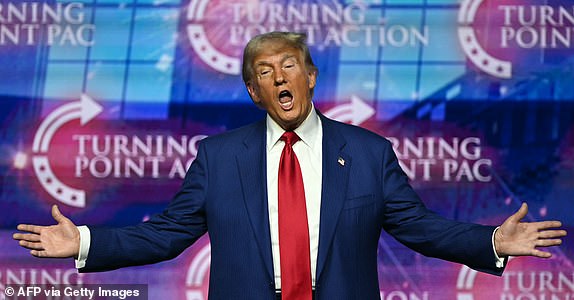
(355, 112)
(86, 109)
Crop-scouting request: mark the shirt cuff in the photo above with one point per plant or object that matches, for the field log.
(499, 261)
(85, 239)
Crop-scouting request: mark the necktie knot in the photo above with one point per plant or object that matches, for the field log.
(290, 138)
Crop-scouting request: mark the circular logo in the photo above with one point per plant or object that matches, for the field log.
(85, 110)
(197, 32)
(506, 38)
(197, 279)
(471, 46)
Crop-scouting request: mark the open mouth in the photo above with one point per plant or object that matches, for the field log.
(286, 99)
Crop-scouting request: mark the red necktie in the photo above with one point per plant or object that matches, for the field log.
(293, 227)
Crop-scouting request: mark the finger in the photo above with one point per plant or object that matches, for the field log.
(541, 254)
(57, 215)
(548, 242)
(38, 253)
(30, 228)
(31, 245)
(520, 214)
(27, 237)
(548, 224)
(548, 234)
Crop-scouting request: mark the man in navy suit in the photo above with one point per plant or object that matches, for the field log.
(353, 187)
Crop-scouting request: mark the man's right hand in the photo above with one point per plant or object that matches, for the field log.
(57, 241)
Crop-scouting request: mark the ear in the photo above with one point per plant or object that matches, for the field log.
(312, 78)
(252, 93)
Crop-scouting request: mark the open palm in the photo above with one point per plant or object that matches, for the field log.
(58, 241)
(516, 238)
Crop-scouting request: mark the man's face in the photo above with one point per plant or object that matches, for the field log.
(282, 84)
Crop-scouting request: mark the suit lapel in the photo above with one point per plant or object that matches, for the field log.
(251, 162)
(336, 166)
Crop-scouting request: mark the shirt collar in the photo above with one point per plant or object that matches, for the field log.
(307, 131)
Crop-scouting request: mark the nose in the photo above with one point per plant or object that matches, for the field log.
(279, 78)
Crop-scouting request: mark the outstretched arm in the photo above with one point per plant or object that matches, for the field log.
(516, 238)
(56, 241)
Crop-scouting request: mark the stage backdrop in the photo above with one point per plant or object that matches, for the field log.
(103, 103)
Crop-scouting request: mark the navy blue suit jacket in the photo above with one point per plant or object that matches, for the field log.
(224, 193)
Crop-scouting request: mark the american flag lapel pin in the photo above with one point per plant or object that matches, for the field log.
(341, 161)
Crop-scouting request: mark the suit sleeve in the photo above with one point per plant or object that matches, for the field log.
(162, 237)
(408, 220)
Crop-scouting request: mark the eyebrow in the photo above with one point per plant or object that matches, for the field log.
(283, 59)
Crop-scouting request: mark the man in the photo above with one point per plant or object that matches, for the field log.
(347, 179)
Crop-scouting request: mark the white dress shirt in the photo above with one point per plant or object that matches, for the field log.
(309, 153)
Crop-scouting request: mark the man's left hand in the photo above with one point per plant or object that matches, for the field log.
(516, 238)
